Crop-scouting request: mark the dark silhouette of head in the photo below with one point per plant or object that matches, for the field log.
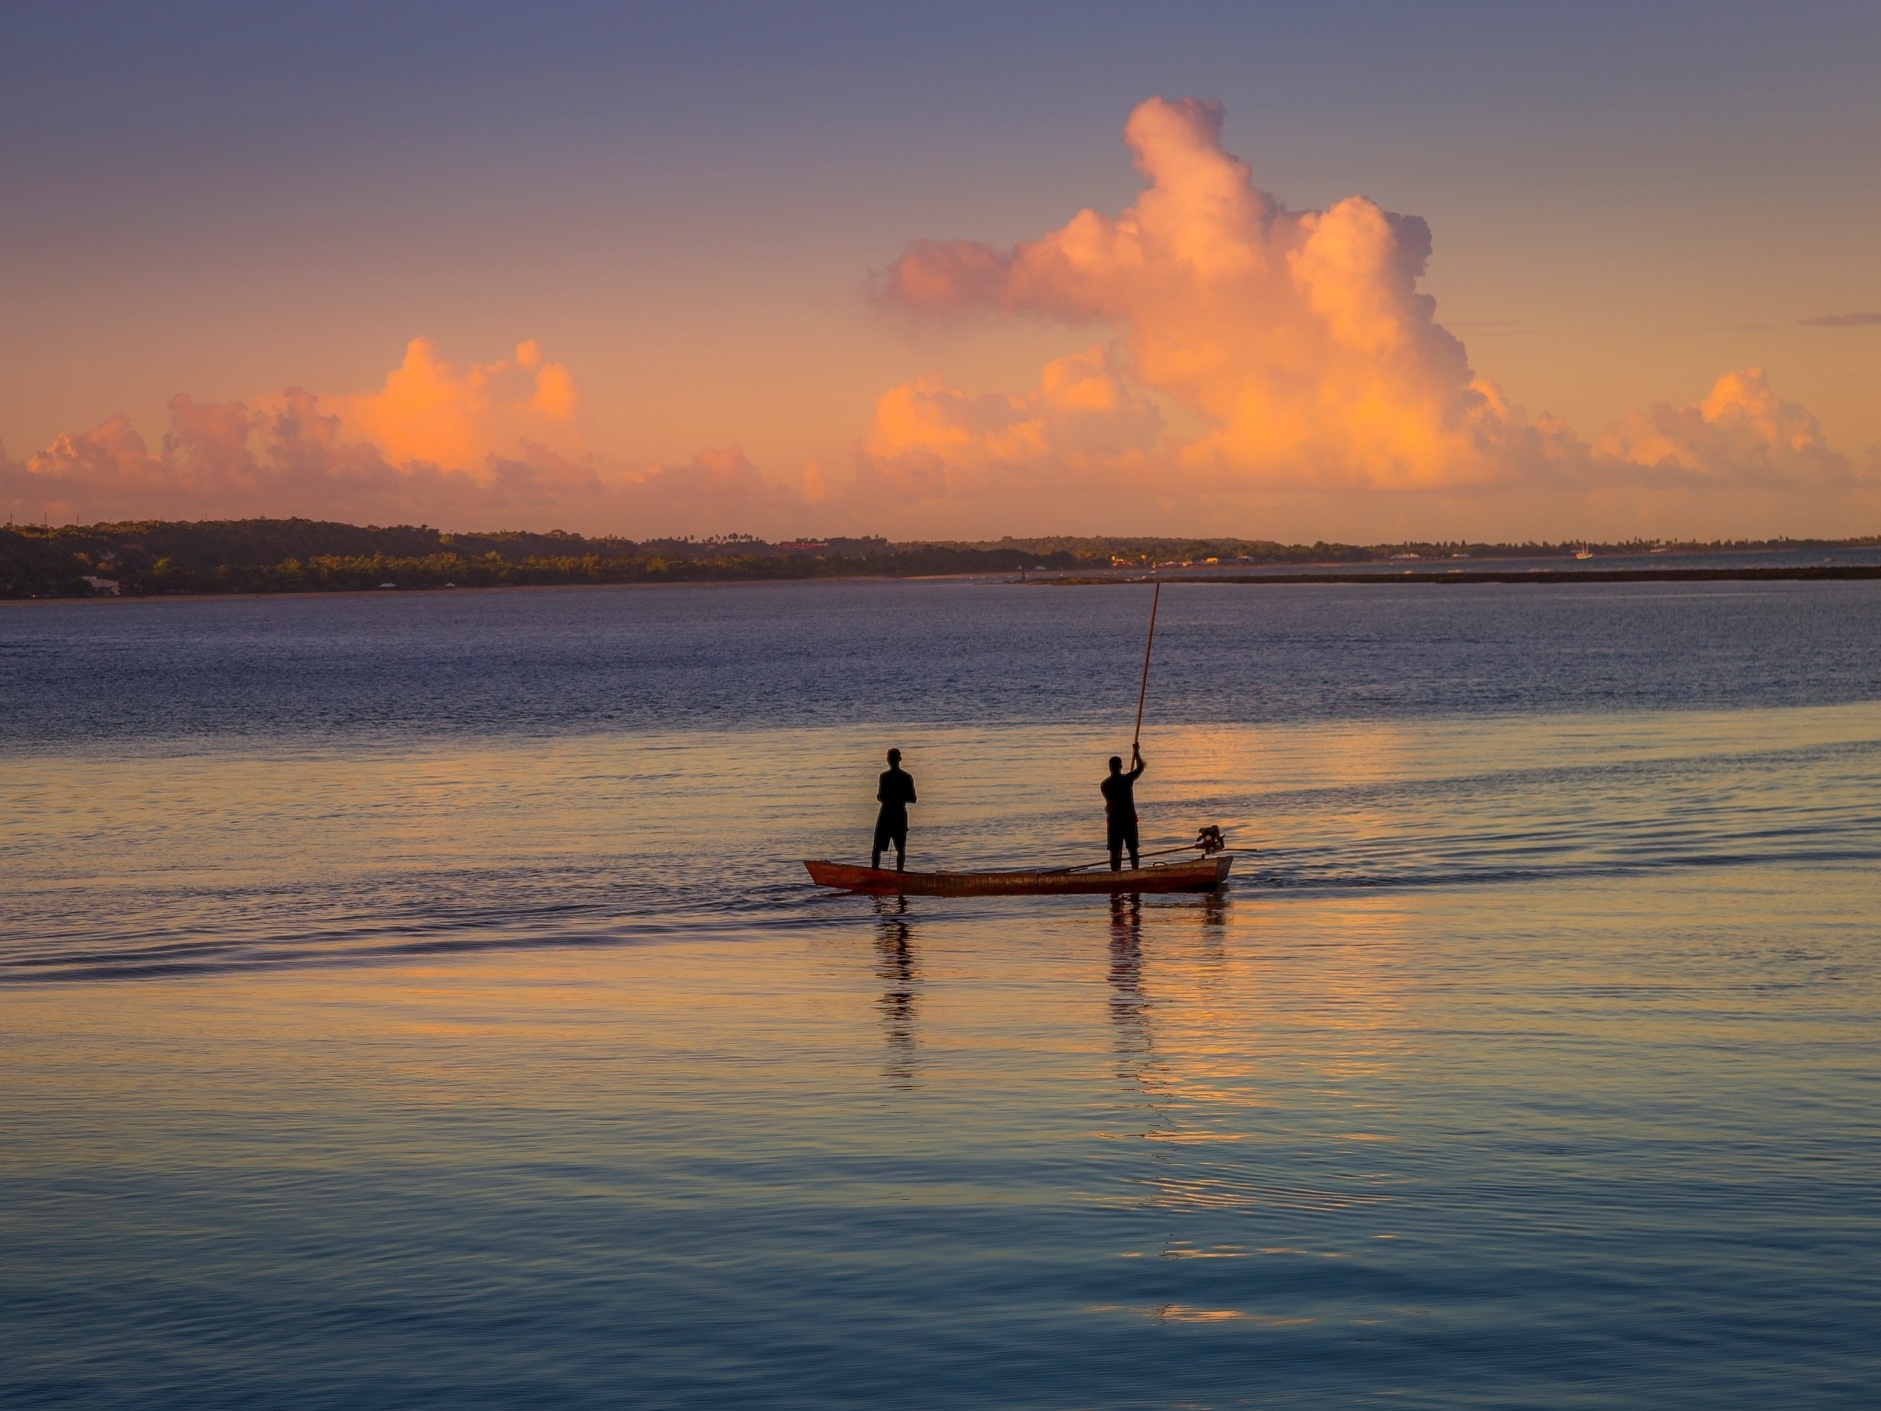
(1116, 764)
(894, 756)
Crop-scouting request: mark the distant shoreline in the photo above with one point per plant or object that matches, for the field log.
(1546, 576)
(234, 558)
(1540, 577)
(479, 590)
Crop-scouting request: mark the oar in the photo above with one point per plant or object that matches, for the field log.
(1160, 852)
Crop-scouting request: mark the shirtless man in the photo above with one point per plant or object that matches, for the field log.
(1120, 808)
(895, 793)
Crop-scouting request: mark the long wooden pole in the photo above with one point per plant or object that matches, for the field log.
(1136, 735)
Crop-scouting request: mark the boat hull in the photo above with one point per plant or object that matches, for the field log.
(1203, 874)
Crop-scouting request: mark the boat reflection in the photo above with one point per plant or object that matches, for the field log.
(895, 967)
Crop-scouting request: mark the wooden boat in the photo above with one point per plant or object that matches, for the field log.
(1196, 874)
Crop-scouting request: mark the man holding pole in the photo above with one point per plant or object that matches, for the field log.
(1120, 788)
(1120, 809)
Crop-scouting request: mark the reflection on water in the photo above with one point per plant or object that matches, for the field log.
(894, 949)
(1127, 1004)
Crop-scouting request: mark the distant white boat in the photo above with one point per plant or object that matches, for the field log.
(1583, 552)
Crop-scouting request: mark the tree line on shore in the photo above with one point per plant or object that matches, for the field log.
(148, 557)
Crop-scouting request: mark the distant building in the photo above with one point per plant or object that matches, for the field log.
(107, 586)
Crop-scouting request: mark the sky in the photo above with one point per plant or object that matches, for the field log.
(1343, 271)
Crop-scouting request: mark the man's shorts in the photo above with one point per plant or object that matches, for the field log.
(891, 830)
(1123, 834)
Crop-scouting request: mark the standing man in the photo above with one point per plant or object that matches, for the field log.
(1120, 808)
(895, 793)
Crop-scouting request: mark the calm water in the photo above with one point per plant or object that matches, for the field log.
(416, 1000)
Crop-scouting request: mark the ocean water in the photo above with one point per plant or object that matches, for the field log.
(417, 1000)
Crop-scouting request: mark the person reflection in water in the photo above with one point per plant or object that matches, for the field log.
(1120, 808)
(899, 976)
(1129, 1010)
(895, 793)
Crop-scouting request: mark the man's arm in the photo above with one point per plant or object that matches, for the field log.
(1137, 773)
(910, 787)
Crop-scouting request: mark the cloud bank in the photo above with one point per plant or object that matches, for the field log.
(1308, 366)
(1246, 368)
(491, 444)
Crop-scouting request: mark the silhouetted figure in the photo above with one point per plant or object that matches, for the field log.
(1120, 808)
(895, 793)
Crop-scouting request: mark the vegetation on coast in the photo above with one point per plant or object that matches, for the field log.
(151, 557)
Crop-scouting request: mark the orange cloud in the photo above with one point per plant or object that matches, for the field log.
(496, 444)
(936, 460)
(1297, 337)
(1301, 350)
(432, 412)
(1080, 407)
(1740, 433)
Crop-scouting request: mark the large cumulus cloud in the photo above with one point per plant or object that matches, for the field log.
(1304, 358)
(1299, 337)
